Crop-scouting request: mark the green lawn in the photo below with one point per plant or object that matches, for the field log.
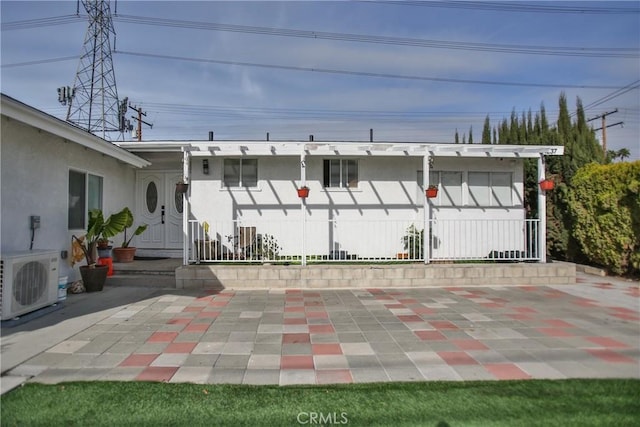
(485, 403)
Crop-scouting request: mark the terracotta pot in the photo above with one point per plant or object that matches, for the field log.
(303, 192)
(432, 193)
(124, 254)
(546, 185)
(93, 278)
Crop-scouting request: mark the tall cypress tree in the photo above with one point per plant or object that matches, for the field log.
(486, 131)
(456, 138)
(471, 135)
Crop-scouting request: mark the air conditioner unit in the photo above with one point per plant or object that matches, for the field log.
(28, 281)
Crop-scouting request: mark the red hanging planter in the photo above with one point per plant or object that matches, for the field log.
(182, 187)
(546, 185)
(303, 192)
(432, 192)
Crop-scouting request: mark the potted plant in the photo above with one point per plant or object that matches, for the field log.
(126, 253)
(93, 275)
(432, 191)
(412, 243)
(303, 192)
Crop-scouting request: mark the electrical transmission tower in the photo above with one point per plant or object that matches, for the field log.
(93, 99)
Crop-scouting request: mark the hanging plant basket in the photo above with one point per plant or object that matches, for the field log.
(303, 192)
(182, 188)
(432, 192)
(546, 185)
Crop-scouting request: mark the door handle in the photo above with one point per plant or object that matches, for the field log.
(162, 214)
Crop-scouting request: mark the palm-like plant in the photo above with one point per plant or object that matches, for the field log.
(99, 228)
(128, 223)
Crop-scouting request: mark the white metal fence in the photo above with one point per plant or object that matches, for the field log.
(349, 240)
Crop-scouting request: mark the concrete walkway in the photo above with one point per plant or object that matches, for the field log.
(589, 330)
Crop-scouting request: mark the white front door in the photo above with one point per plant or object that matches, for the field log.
(160, 207)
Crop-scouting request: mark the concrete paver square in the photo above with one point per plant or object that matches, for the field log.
(334, 376)
(170, 359)
(68, 347)
(208, 348)
(191, 374)
(365, 375)
(201, 360)
(261, 377)
(157, 373)
(139, 360)
(507, 371)
(297, 376)
(358, 348)
(330, 361)
(264, 361)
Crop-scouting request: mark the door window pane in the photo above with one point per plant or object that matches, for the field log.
(151, 197)
(178, 200)
(77, 205)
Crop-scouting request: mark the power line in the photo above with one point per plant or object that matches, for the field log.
(195, 109)
(614, 94)
(595, 52)
(577, 51)
(38, 62)
(361, 73)
(42, 22)
(517, 7)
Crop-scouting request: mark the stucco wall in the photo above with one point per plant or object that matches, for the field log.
(35, 175)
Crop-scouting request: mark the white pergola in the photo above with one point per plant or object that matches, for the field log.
(304, 149)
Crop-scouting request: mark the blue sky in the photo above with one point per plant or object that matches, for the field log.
(184, 99)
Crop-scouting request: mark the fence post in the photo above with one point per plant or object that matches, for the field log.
(426, 241)
(303, 207)
(186, 160)
(542, 212)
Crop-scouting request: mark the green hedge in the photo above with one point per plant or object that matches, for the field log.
(605, 206)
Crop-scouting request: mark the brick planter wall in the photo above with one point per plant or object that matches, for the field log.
(375, 276)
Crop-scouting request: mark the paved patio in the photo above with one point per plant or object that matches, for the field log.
(289, 336)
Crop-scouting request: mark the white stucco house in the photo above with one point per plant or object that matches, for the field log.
(367, 200)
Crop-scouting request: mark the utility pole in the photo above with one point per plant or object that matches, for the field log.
(604, 127)
(140, 121)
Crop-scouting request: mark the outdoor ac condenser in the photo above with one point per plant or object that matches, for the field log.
(28, 281)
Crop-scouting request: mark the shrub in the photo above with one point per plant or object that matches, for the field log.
(605, 206)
